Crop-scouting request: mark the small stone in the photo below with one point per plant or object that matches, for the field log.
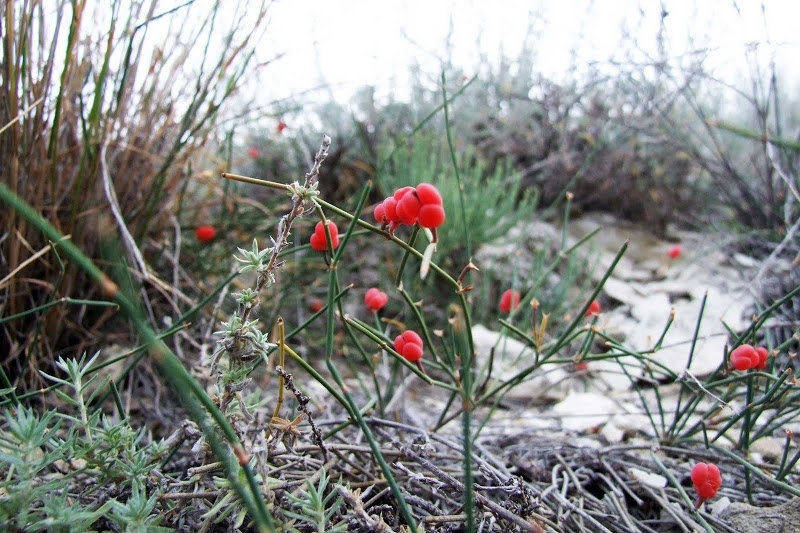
(612, 433)
(650, 479)
(583, 411)
(512, 356)
(769, 449)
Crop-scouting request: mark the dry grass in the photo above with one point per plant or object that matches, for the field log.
(98, 130)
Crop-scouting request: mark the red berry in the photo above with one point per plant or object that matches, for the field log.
(399, 193)
(409, 345)
(319, 242)
(380, 214)
(281, 126)
(706, 480)
(744, 358)
(428, 194)
(253, 152)
(674, 251)
(763, 354)
(408, 208)
(390, 209)
(582, 366)
(205, 233)
(431, 216)
(594, 308)
(509, 300)
(375, 299)
(316, 305)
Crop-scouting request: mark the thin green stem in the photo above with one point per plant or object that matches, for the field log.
(352, 408)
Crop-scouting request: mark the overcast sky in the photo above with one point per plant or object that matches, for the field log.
(352, 43)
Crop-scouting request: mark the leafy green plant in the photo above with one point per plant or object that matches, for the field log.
(315, 508)
(47, 459)
(136, 515)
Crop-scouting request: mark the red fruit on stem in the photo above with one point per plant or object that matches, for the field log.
(744, 358)
(763, 354)
(316, 305)
(281, 126)
(408, 208)
(431, 216)
(674, 251)
(319, 242)
(375, 299)
(428, 194)
(402, 191)
(390, 209)
(706, 480)
(409, 345)
(380, 214)
(509, 300)
(205, 233)
(594, 308)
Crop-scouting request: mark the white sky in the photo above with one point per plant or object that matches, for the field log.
(352, 43)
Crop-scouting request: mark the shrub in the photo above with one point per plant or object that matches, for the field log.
(98, 133)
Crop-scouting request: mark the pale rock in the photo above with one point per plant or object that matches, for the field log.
(589, 443)
(612, 433)
(649, 479)
(634, 422)
(648, 286)
(768, 448)
(745, 261)
(718, 505)
(651, 311)
(620, 291)
(581, 411)
(545, 384)
(607, 374)
(649, 316)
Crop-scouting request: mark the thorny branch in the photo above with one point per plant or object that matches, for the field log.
(302, 401)
(285, 225)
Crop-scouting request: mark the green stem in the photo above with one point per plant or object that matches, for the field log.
(352, 408)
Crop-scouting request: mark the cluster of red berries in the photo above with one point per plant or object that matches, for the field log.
(412, 205)
(319, 242)
(409, 345)
(706, 480)
(746, 357)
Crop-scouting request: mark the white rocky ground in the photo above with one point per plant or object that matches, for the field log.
(643, 291)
